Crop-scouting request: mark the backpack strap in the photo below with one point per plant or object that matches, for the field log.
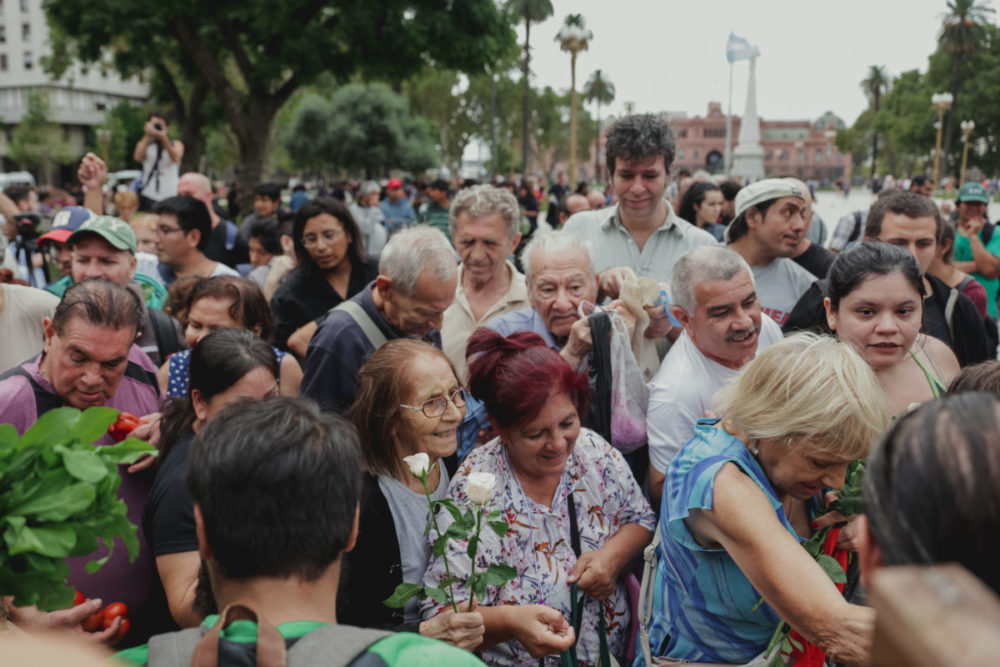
(164, 333)
(44, 399)
(856, 232)
(334, 645)
(361, 318)
(649, 575)
(949, 312)
(173, 649)
(271, 650)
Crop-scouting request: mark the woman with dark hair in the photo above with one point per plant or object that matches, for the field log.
(875, 302)
(332, 267)
(217, 303)
(932, 488)
(226, 366)
(575, 512)
(409, 401)
(702, 206)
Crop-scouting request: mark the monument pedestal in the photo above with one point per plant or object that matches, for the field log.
(748, 156)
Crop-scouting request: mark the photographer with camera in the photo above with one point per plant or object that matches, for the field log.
(19, 211)
(161, 159)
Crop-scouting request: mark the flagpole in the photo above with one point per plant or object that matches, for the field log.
(729, 124)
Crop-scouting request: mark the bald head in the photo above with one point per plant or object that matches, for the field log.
(574, 203)
(596, 199)
(198, 186)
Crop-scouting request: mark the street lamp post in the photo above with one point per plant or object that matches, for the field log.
(941, 102)
(104, 141)
(967, 127)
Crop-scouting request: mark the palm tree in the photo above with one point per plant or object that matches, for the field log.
(961, 35)
(598, 89)
(537, 11)
(874, 85)
(573, 37)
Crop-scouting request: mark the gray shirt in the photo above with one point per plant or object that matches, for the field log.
(779, 286)
(409, 515)
(612, 245)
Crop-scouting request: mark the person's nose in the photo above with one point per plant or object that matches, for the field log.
(741, 320)
(836, 477)
(91, 375)
(563, 302)
(886, 322)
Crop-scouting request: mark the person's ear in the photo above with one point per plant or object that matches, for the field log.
(384, 285)
(681, 316)
(869, 552)
(753, 217)
(131, 268)
(353, 538)
(831, 316)
(50, 332)
(204, 548)
(193, 237)
(200, 406)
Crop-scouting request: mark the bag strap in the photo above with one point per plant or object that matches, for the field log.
(368, 327)
(949, 311)
(334, 645)
(173, 649)
(649, 568)
(270, 644)
(44, 399)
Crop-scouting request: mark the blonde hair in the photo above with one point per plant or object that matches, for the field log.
(144, 222)
(808, 390)
(124, 197)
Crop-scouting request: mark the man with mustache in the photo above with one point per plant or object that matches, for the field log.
(715, 300)
(767, 230)
(485, 226)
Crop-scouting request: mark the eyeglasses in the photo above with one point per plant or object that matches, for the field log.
(435, 407)
(329, 236)
(163, 230)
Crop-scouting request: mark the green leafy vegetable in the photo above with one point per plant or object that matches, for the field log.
(58, 497)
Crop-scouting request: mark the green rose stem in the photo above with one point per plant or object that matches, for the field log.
(434, 521)
(479, 518)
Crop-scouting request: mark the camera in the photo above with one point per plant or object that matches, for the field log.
(158, 126)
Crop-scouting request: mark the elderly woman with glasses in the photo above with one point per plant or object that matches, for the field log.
(409, 402)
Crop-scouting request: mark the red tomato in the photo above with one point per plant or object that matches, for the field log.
(125, 424)
(79, 599)
(113, 611)
(93, 623)
(122, 629)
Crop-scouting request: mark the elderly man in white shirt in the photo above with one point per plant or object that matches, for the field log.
(715, 300)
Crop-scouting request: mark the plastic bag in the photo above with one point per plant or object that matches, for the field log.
(629, 394)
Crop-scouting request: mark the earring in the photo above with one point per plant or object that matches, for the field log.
(754, 448)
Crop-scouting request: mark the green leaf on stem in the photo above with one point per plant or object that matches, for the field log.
(499, 574)
(500, 527)
(832, 568)
(436, 594)
(471, 549)
(402, 594)
(84, 465)
(440, 545)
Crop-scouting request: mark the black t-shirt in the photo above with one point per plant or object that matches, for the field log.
(817, 260)
(216, 250)
(305, 295)
(168, 520)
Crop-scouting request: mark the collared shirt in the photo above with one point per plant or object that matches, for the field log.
(459, 322)
(526, 319)
(612, 245)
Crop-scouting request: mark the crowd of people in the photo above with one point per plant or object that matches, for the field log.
(289, 367)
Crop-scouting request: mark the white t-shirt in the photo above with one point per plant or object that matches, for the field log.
(163, 183)
(779, 286)
(223, 270)
(683, 389)
(24, 308)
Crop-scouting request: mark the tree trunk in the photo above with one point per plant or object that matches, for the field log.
(875, 136)
(572, 119)
(192, 128)
(527, 92)
(254, 145)
(597, 144)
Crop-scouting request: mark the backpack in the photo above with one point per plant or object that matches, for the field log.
(332, 645)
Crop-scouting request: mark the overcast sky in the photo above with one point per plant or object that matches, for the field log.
(670, 55)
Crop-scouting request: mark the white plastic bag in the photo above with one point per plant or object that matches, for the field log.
(629, 394)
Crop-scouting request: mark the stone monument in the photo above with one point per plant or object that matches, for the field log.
(748, 156)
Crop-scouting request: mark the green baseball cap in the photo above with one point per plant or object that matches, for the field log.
(113, 230)
(974, 192)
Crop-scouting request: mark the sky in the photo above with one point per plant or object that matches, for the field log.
(670, 55)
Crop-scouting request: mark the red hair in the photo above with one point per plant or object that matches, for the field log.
(516, 375)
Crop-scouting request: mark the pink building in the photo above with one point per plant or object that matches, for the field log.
(800, 148)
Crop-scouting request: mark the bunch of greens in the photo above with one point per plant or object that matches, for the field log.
(58, 496)
(849, 502)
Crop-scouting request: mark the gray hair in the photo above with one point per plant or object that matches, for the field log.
(701, 264)
(412, 251)
(101, 303)
(554, 242)
(481, 200)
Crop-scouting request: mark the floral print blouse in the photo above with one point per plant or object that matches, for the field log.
(538, 542)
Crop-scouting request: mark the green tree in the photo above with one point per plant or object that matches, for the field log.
(124, 123)
(962, 34)
(599, 90)
(528, 11)
(874, 86)
(255, 54)
(367, 128)
(573, 37)
(36, 143)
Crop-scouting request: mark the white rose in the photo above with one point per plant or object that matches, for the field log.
(418, 464)
(480, 487)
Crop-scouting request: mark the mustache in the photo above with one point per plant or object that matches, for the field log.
(732, 335)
